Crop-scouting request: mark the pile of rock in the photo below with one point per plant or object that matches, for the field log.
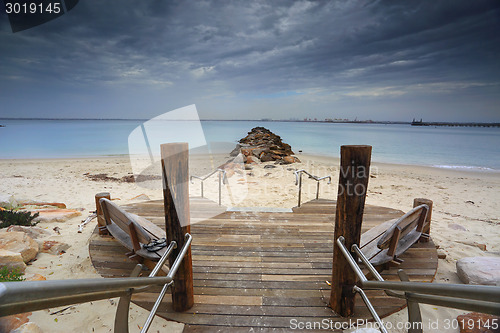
(19, 245)
(262, 145)
(47, 211)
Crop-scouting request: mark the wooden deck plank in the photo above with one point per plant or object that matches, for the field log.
(256, 271)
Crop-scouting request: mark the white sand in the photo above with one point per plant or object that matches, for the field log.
(464, 198)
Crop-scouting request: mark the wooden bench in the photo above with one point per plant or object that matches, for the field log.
(133, 232)
(385, 242)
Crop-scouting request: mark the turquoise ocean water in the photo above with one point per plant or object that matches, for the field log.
(472, 148)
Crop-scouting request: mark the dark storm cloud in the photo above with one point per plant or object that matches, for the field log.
(328, 53)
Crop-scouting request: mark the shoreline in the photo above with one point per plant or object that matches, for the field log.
(451, 168)
(457, 170)
(465, 214)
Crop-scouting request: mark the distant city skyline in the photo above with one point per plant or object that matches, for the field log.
(370, 60)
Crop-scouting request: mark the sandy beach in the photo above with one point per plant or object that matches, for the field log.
(465, 214)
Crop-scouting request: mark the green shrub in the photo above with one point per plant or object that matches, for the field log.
(9, 217)
(8, 274)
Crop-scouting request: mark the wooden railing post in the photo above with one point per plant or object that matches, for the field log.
(427, 225)
(353, 184)
(175, 174)
(101, 222)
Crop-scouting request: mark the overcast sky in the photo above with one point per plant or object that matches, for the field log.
(380, 60)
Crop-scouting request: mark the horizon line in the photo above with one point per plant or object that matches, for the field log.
(356, 121)
(209, 119)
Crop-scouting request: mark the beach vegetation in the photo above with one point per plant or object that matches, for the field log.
(11, 274)
(10, 217)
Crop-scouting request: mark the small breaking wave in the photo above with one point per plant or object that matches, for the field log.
(464, 167)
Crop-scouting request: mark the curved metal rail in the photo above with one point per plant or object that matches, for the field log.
(222, 180)
(484, 299)
(19, 297)
(298, 181)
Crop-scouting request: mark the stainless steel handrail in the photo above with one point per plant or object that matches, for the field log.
(485, 299)
(222, 180)
(365, 261)
(370, 308)
(355, 248)
(171, 273)
(298, 181)
(172, 246)
(13, 293)
(19, 297)
(121, 316)
(477, 292)
(350, 260)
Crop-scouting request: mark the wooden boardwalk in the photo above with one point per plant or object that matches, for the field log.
(258, 271)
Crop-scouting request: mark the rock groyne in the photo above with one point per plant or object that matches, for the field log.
(262, 145)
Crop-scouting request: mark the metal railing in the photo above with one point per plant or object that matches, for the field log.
(298, 181)
(476, 298)
(19, 297)
(222, 180)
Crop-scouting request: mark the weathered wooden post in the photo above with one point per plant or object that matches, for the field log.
(175, 174)
(101, 222)
(353, 184)
(427, 225)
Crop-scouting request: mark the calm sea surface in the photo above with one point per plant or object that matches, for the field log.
(447, 147)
